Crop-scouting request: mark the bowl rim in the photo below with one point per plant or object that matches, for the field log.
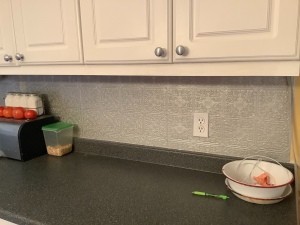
(257, 186)
(277, 198)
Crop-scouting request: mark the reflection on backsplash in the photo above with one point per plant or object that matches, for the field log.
(247, 115)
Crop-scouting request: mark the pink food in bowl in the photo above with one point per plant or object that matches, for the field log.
(263, 180)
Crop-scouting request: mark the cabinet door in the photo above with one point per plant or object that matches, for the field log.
(47, 31)
(126, 31)
(239, 30)
(7, 40)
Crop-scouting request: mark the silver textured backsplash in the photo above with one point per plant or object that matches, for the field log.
(247, 115)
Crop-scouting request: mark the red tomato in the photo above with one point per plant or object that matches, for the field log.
(18, 113)
(7, 112)
(30, 114)
(21, 108)
(1, 111)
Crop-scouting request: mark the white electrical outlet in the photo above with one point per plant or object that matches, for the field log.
(200, 125)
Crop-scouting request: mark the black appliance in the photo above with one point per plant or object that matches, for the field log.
(23, 139)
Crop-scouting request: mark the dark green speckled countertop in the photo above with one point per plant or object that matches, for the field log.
(84, 188)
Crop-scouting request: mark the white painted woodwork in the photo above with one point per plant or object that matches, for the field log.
(236, 30)
(255, 68)
(7, 45)
(5, 222)
(126, 31)
(241, 38)
(47, 32)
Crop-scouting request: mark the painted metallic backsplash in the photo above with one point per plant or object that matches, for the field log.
(247, 115)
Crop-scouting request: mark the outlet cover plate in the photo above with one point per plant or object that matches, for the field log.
(200, 128)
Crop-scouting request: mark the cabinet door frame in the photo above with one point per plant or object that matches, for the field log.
(97, 51)
(279, 40)
(66, 51)
(7, 37)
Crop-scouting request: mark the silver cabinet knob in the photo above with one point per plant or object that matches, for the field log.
(159, 52)
(19, 57)
(8, 58)
(180, 50)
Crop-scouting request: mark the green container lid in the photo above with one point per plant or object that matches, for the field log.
(57, 126)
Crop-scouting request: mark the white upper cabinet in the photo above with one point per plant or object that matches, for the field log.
(7, 40)
(46, 32)
(150, 37)
(127, 31)
(236, 30)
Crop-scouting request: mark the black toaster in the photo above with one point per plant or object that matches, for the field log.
(23, 139)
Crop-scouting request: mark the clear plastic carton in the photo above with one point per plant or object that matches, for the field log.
(58, 138)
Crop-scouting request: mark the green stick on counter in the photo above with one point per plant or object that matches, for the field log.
(200, 193)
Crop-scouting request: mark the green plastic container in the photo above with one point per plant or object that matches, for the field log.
(58, 138)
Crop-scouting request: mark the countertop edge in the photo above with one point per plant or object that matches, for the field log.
(157, 155)
(15, 218)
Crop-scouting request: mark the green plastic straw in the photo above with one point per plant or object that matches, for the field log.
(200, 193)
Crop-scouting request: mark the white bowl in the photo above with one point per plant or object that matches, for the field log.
(240, 175)
(261, 201)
